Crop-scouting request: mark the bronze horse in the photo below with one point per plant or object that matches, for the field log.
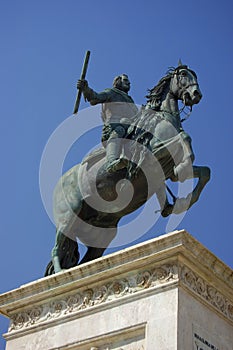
(89, 201)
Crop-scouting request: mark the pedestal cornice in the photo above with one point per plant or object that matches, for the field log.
(169, 261)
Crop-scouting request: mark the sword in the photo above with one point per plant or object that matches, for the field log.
(82, 77)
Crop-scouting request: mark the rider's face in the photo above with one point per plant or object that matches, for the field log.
(125, 83)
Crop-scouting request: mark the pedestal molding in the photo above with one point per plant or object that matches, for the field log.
(170, 267)
(153, 279)
(208, 293)
(75, 303)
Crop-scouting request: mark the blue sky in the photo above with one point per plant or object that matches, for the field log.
(42, 48)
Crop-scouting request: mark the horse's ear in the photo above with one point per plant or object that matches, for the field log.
(180, 63)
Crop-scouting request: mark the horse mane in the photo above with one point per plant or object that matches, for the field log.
(154, 97)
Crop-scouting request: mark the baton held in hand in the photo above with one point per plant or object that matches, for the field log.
(82, 77)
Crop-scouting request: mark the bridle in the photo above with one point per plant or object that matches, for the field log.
(177, 74)
(182, 89)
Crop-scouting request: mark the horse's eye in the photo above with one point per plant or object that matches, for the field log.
(183, 74)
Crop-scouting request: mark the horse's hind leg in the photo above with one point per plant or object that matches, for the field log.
(49, 269)
(97, 240)
(91, 254)
(65, 252)
(54, 265)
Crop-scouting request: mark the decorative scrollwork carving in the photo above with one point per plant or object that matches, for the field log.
(90, 297)
(119, 288)
(207, 292)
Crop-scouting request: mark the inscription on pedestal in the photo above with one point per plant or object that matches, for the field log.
(202, 340)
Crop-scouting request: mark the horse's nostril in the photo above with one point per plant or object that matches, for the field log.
(197, 94)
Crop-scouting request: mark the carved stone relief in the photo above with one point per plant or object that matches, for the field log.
(116, 289)
(207, 292)
(88, 298)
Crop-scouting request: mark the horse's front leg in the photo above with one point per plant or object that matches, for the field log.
(183, 204)
(203, 174)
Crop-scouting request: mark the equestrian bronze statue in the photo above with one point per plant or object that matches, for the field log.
(142, 149)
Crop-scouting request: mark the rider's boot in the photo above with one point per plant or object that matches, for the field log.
(113, 150)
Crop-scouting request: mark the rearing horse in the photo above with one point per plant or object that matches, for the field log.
(89, 201)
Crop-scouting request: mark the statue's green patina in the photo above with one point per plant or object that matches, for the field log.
(118, 113)
(146, 147)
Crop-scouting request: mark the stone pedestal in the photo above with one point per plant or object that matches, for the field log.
(166, 293)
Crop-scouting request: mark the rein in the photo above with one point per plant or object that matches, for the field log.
(187, 115)
(181, 110)
(182, 90)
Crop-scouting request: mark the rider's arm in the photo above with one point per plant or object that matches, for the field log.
(92, 96)
(95, 97)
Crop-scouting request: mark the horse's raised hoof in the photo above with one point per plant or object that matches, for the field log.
(167, 210)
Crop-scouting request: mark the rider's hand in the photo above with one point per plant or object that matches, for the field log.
(82, 84)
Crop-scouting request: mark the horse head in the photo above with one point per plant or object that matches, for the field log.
(180, 83)
(184, 85)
